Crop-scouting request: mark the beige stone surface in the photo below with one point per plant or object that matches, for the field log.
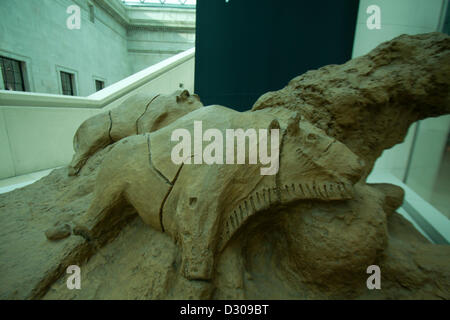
(369, 102)
(142, 227)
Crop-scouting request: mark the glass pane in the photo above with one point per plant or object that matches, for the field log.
(12, 74)
(429, 169)
(67, 83)
(99, 85)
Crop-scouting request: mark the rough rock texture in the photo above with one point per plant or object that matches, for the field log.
(313, 235)
(369, 102)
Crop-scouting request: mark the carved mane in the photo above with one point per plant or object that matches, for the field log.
(263, 199)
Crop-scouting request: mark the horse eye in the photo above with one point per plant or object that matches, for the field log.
(311, 137)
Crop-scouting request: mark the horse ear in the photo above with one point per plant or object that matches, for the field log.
(293, 123)
(183, 96)
(274, 124)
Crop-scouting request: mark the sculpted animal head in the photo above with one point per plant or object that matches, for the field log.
(139, 113)
(165, 109)
(314, 165)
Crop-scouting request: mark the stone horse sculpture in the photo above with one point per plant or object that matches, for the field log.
(310, 231)
(201, 206)
(139, 113)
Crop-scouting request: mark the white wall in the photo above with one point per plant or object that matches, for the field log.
(147, 48)
(121, 41)
(39, 138)
(155, 34)
(36, 32)
(36, 130)
(397, 17)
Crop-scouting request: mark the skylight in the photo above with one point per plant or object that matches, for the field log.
(162, 3)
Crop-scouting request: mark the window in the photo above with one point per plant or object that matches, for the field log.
(91, 12)
(12, 73)
(67, 83)
(99, 85)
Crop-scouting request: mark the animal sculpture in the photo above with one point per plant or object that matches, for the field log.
(204, 206)
(139, 113)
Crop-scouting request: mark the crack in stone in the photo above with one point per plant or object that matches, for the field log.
(110, 127)
(145, 111)
(164, 178)
(161, 208)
